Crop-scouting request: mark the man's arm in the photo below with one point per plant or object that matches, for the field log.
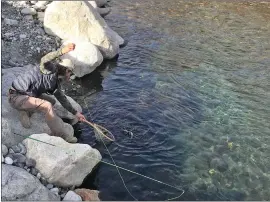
(60, 96)
(47, 58)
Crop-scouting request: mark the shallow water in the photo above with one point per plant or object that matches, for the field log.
(192, 85)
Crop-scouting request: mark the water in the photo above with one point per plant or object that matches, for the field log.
(192, 86)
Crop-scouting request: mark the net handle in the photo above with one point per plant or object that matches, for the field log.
(96, 126)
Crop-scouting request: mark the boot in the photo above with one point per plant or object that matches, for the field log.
(61, 129)
(24, 119)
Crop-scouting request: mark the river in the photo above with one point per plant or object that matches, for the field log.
(187, 100)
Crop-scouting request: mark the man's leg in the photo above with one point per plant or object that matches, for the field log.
(56, 124)
(47, 97)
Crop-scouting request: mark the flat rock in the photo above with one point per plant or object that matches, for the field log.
(87, 194)
(17, 184)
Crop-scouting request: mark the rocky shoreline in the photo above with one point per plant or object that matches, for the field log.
(32, 170)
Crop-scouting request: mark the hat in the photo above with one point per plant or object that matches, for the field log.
(67, 63)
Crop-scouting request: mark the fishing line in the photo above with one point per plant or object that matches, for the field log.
(110, 164)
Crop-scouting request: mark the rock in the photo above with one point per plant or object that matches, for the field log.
(22, 148)
(87, 26)
(11, 22)
(28, 170)
(10, 151)
(8, 161)
(219, 164)
(39, 177)
(87, 194)
(41, 4)
(18, 158)
(33, 2)
(75, 161)
(86, 57)
(101, 3)
(40, 14)
(103, 11)
(55, 190)
(3, 159)
(22, 36)
(63, 195)
(21, 165)
(29, 11)
(4, 150)
(72, 196)
(17, 184)
(34, 171)
(28, 17)
(16, 149)
(30, 162)
(49, 186)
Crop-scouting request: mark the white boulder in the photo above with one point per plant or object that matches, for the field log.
(64, 164)
(78, 20)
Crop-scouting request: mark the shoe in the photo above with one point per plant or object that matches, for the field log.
(24, 119)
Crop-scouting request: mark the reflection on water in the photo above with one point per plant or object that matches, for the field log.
(192, 85)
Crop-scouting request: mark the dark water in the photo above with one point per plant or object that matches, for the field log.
(192, 85)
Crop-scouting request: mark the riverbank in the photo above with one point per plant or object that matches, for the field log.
(50, 172)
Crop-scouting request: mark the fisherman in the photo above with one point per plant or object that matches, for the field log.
(30, 92)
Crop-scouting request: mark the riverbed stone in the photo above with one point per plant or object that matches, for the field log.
(87, 194)
(22, 148)
(17, 184)
(17, 158)
(8, 161)
(29, 11)
(4, 150)
(72, 196)
(49, 186)
(34, 171)
(30, 162)
(219, 164)
(75, 161)
(16, 149)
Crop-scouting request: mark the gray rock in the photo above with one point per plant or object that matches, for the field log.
(28, 17)
(72, 196)
(29, 11)
(28, 170)
(21, 165)
(30, 162)
(16, 149)
(22, 36)
(11, 22)
(4, 150)
(25, 167)
(63, 195)
(22, 148)
(8, 161)
(19, 185)
(219, 164)
(55, 190)
(18, 158)
(10, 151)
(3, 159)
(49, 186)
(34, 171)
(39, 176)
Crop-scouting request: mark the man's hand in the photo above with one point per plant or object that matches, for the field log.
(69, 47)
(80, 116)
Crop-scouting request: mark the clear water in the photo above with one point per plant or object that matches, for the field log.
(192, 85)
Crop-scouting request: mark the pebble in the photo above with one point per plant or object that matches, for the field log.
(25, 167)
(49, 186)
(10, 21)
(38, 175)
(28, 17)
(19, 158)
(63, 195)
(34, 171)
(3, 159)
(55, 190)
(16, 149)
(22, 36)
(23, 148)
(8, 161)
(11, 151)
(30, 162)
(4, 150)
(72, 196)
(29, 11)
(28, 170)
(38, 49)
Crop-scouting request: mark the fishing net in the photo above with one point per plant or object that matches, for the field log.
(102, 134)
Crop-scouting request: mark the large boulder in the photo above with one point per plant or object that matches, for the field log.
(64, 164)
(18, 184)
(11, 126)
(78, 20)
(86, 57)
